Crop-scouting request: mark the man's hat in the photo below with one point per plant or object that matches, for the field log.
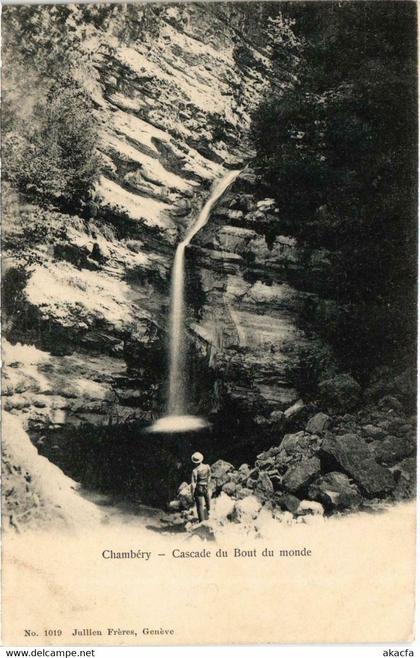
(197, 458)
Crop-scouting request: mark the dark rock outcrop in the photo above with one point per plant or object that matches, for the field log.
(318, 424)
(308, 475)
(335, 490)
(298, 476)
(353, 456)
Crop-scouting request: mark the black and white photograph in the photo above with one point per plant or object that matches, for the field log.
(209, 286)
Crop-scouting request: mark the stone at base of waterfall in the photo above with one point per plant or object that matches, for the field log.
(185, 496)
(311, 519)
(355, 458)
(222, 508)
(243, 492)
(286, 518)
(204, 530)
(220, 473)
(301, 474)
(335, 490)
(296, 408)
(318, 424)
(289, 502)
(177, 521)
(373, 432)
(310, 507)
(405, 474)
(390, 402)
(294, 443)
(264, 486)
(246, 510)
(393, 449)
(244, 471)
(229, 488)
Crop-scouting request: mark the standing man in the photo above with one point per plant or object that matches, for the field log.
(200, 481)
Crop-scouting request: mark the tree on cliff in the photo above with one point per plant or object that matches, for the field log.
(49, 128)
(338, 152)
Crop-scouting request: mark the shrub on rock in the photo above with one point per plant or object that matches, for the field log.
(341, 393)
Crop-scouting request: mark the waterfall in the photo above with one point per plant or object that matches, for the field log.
(177, 418)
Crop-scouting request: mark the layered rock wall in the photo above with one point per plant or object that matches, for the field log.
(86, 300)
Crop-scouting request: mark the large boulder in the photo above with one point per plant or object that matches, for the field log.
(295, 443)
(393, 448)
(294, 410)
(373, 432)
(390, 403)
(318, 424)
(265, 522)
(288, 502)
(277, 419)
(335, 491)
(299, 475)
(243, 492)
(264, 487)
(340, 393)
(185, 496)
(405, 475)
(229, 488)
(352, 455)
(286, 517)
(392, 389)
(243, 473)
(266, 460)
(221, 473)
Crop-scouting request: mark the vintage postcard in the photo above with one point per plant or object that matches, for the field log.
(209, 217)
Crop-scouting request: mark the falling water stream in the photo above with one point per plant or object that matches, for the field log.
(177, 419)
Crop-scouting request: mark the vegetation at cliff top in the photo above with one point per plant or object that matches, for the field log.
(49, 129)
(337, 150)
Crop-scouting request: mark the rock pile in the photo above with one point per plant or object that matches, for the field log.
(335, 464)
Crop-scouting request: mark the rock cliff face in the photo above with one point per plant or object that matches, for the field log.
(87, 300)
